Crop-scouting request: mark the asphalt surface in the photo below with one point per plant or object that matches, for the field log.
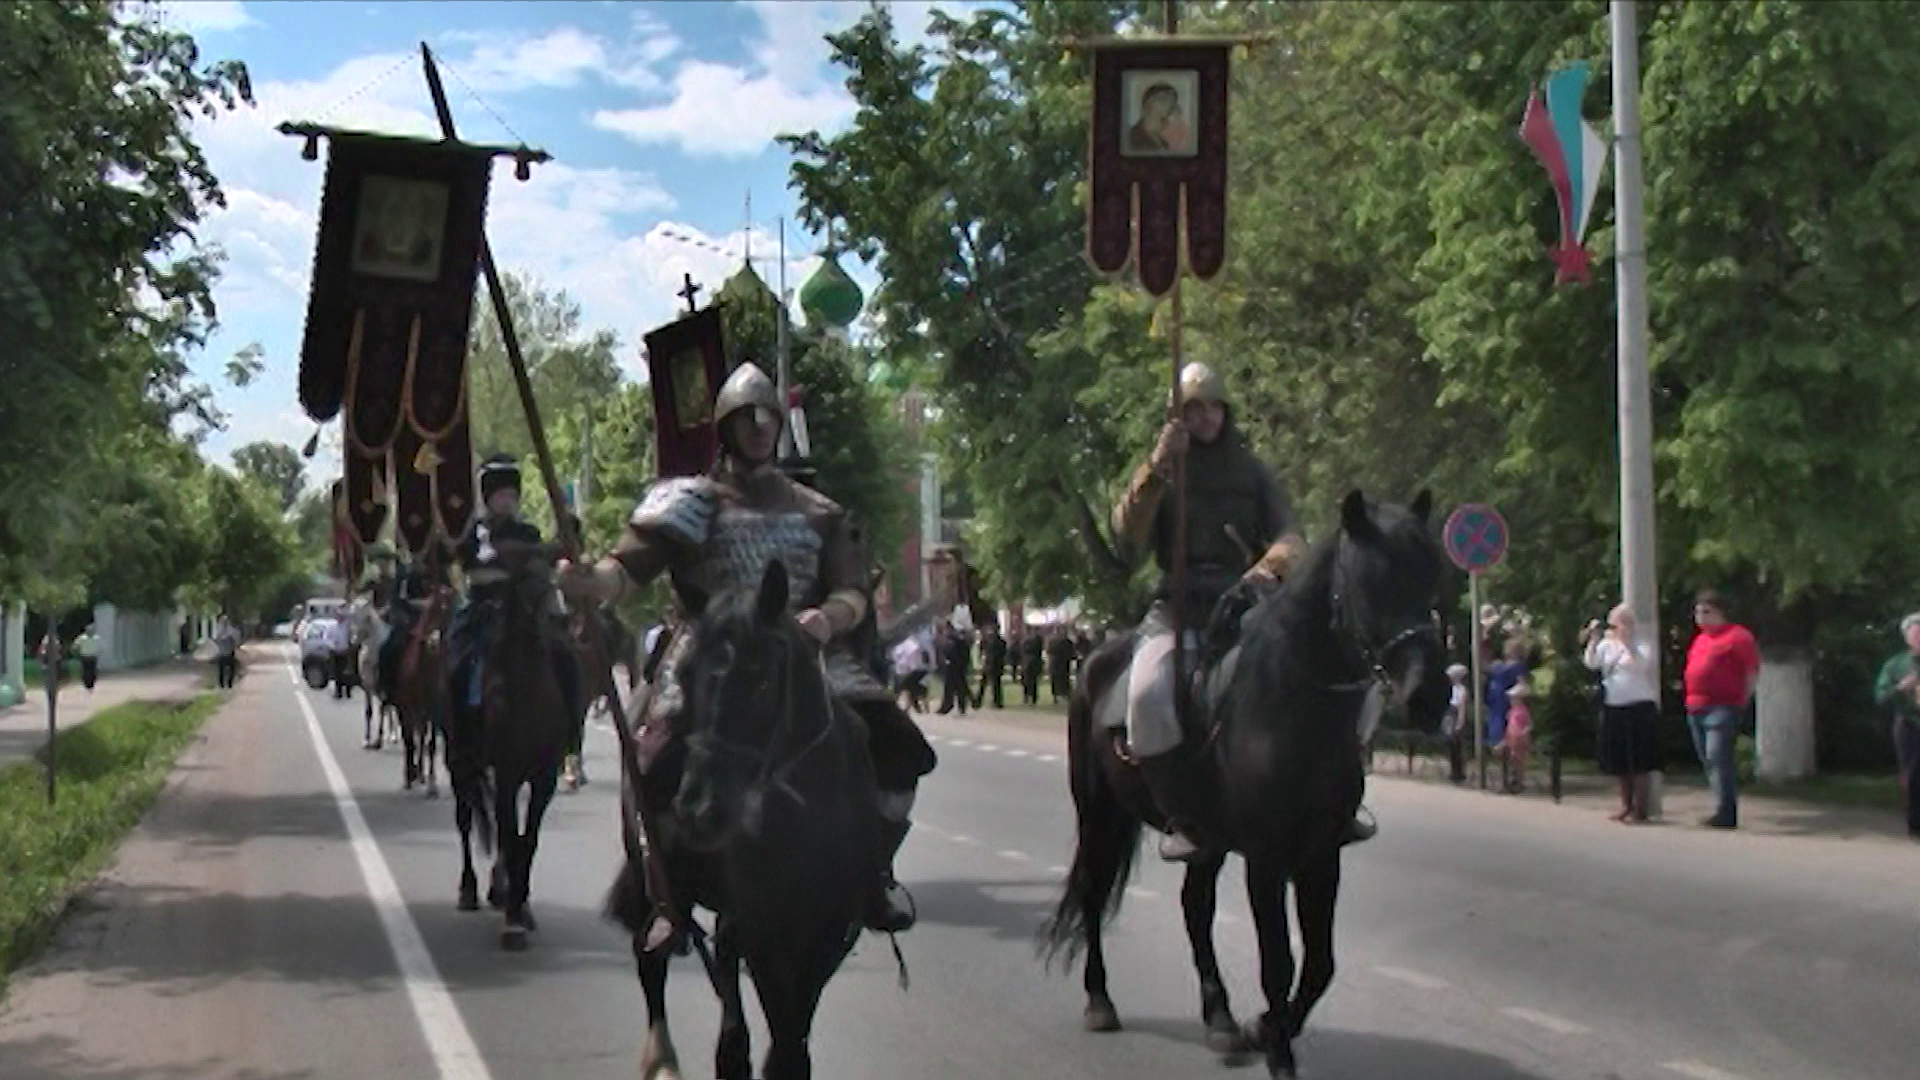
(271, 921)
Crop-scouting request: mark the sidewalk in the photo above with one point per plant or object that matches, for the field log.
(23, 727)
(1685, 801)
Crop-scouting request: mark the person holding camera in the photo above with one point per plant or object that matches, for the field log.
(1629, 742)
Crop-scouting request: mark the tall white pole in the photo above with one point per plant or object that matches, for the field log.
(780, 343)
(1639, 580)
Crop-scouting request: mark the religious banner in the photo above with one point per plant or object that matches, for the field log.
(686, 363)
(1157, 158)
(388, 318)
(348, 556)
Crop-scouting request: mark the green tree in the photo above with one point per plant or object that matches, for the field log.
(103, 290)
(958, 179)
(569, 367)
(276, 467)
(248, 544)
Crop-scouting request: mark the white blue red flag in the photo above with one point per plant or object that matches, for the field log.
(1574, 156)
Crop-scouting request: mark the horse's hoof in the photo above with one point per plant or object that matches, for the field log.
(469, 900)
(1101, 1017)
(514, 939)
(495, 898)
(432, 792)
(1228, 1041)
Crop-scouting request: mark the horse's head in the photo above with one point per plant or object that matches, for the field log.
(1385, 581)
(756, 701)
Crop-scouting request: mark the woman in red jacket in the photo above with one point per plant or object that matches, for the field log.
(1723, 664)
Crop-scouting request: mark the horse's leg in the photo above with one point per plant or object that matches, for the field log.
(1316, 891)
(733, 1056)
(430, 737)
(469, 883)
(782, 1002)
(1267, 896)
(409, 750)
(507, 863)
(539, 798)
(658, 1061)
(1199, 896)
(367, 741)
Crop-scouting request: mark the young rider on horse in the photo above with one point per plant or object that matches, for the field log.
(716, 532)
(499, 521)
(1239, 526)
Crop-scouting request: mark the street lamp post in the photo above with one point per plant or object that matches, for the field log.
(1639, 584)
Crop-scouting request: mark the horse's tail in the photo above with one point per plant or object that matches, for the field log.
(1109, 834)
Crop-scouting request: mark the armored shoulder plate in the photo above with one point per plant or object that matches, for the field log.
(680, 508)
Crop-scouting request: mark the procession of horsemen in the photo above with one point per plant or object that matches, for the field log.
(770, 775)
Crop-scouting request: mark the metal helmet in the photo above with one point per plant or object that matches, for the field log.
(1198, 382)
(748, 387)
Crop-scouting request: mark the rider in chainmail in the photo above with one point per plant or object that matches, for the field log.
(717, 532)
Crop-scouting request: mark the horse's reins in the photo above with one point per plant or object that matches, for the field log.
(774, 776)
(1371, 657)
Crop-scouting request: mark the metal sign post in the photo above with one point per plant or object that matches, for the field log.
(1476, 540)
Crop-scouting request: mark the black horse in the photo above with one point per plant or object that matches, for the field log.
(773, 826)
(1283, 752)
(530, 702)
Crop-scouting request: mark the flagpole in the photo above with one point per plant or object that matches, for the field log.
(1639, 583)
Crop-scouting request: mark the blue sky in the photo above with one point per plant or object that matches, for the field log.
(660, 117)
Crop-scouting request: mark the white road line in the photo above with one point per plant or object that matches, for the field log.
(1048, 758)
(1056, 869)
(959, 742)
(1547, 1020)
(1016, 856)
(1228, 918)
(448, 1039)
(963, 838)
(987, 747)
(1139, 893)
(1699, 1071)
(1412, 978)
(1016, 753)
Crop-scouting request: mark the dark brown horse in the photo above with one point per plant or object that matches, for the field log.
(420, 691)
(773, 826)
(1283, 753)
(530, 701)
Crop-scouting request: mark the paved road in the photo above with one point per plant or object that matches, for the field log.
(255, 930)
(23, 726)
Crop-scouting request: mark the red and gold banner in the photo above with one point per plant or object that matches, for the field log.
(686, 362)
(1157, 158)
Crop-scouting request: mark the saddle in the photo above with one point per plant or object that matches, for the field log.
(1211, 672)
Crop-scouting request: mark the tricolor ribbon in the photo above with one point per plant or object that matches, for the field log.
(1574, 156)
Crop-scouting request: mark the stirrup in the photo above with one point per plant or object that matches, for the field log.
(893, 910)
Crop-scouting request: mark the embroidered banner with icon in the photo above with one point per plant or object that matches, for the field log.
(1157, 156)
(686, 363)
(387, 326)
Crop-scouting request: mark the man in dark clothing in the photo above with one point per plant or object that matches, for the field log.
(1238, 524)
(956, 662)
(1061, 654)
(1032, 657)
(993, 668)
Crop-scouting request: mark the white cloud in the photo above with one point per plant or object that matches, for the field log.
(202, 16)
(724, 111)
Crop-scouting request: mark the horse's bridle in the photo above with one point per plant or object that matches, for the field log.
(773, 774)
(1372, 657)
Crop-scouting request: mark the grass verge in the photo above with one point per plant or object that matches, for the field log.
(108, 772)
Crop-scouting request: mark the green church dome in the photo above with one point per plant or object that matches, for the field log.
(830, 298)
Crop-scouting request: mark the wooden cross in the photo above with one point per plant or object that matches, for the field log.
(690, 293)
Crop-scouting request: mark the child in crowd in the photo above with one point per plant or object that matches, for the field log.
(1517, 744)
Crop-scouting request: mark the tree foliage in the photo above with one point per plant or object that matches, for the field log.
(103, 289)
(276, 467)
(1388, 319)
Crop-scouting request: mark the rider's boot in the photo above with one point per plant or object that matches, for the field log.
(1169, 779)
(1362, 828)
(888, 908)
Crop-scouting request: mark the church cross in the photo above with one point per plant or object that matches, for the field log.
(690, 293)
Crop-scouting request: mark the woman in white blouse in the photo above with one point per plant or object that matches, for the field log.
(1629, 744)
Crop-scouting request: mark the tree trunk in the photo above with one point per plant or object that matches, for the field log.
(1784, 732)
